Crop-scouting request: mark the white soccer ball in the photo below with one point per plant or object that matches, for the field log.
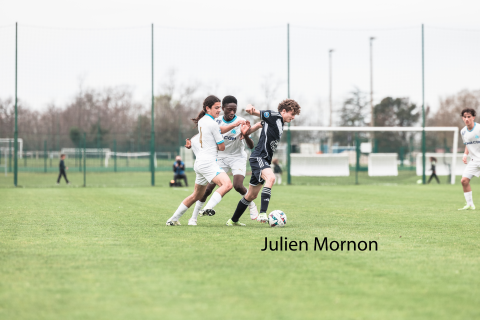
(419, 181)
(277, 218)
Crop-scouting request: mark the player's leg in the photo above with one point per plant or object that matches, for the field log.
(187, 203)
(65, 176)
(239, 169)
(269, 177)
(470, 170)
(59, 177)
(199, 204)
(224, 185)
(436, 178)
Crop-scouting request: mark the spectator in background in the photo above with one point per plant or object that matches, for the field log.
(434, 173)
(277, 170)
(63, 170)
(179, 170)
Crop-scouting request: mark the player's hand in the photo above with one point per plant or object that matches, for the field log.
(244, 128)
(188, 144)
(250, 109)
(239, 123)
(464, 158)
(66, 168)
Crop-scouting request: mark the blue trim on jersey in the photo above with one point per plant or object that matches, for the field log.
(234, 118)
(474, 124)
(220, 142)
(209, 116)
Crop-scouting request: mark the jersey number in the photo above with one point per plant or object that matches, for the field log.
(201, 145)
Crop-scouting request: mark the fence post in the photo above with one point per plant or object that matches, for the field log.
(357, 153)
(9, 156)
(424, 178)
(152, 134)
(15, 134)
(84, 159)
(115, 155)
(289, 148)
(45, 156)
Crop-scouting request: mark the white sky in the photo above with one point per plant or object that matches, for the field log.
(201, 46)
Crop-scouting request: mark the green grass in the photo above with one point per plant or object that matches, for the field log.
(105, 253)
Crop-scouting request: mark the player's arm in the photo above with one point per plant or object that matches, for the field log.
(225, 129)
(188, 142)
(217, 136)
(251, 130)
(465, 154)
(244, 129)
(252, 111)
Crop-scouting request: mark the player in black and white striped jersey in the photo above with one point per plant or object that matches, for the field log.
(261, 157)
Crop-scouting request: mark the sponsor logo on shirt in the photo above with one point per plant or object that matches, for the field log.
(229, 138)
(266, 114)
(473, 142)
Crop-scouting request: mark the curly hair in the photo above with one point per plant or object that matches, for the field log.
(468, 110)
(289, 105)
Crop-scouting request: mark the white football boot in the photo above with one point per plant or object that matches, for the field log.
(262, 217)
(192, 222)
(468, 207)
(171, 223)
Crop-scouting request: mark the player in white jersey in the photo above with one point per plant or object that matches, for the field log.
(471, 139)
(233, 158)
(206, 168)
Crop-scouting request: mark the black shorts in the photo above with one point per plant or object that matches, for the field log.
(257, 165)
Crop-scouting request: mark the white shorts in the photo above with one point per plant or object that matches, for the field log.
(206, 172)
(472, 169)
(237, 165)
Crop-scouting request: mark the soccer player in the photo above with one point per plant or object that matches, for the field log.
(471, 139)
(261, 157)
(206, 166)
(233, 158)
(63, 169)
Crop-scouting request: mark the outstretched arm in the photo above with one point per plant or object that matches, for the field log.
(255, 127)
(225, 129)
(252, 111)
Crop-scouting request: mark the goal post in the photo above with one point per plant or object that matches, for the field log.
(454, 130)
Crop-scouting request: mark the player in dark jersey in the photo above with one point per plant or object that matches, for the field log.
(261, 157)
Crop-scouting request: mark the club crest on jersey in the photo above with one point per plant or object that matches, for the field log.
(266, 114)
(476, 136)
(233, 131)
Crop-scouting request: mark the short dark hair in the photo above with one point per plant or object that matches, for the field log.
(289, 105)
(62, 155)
(229, 99)
(469, 110)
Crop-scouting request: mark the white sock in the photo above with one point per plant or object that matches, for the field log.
(214, 200)
(179, 213)
(468, 198)
(198, 207)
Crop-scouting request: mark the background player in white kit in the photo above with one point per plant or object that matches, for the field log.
(471, 139)
(206, 167)
(234, 157)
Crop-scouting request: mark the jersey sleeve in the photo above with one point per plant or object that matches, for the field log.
(269, 116)
(462, 134)
(215, 130)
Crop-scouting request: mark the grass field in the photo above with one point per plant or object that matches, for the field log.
(105, 253)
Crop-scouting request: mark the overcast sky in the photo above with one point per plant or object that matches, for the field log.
(230, 47)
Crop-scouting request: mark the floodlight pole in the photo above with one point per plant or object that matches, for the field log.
(152, 135)
(424, 178)
(15, 134)
(289, 141)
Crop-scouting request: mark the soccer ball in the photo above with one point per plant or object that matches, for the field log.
(277, 218)
(419, 181)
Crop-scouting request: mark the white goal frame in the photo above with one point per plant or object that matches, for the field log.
(388, 129)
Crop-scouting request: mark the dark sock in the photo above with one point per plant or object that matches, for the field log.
(241, 207)
(266, 194)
